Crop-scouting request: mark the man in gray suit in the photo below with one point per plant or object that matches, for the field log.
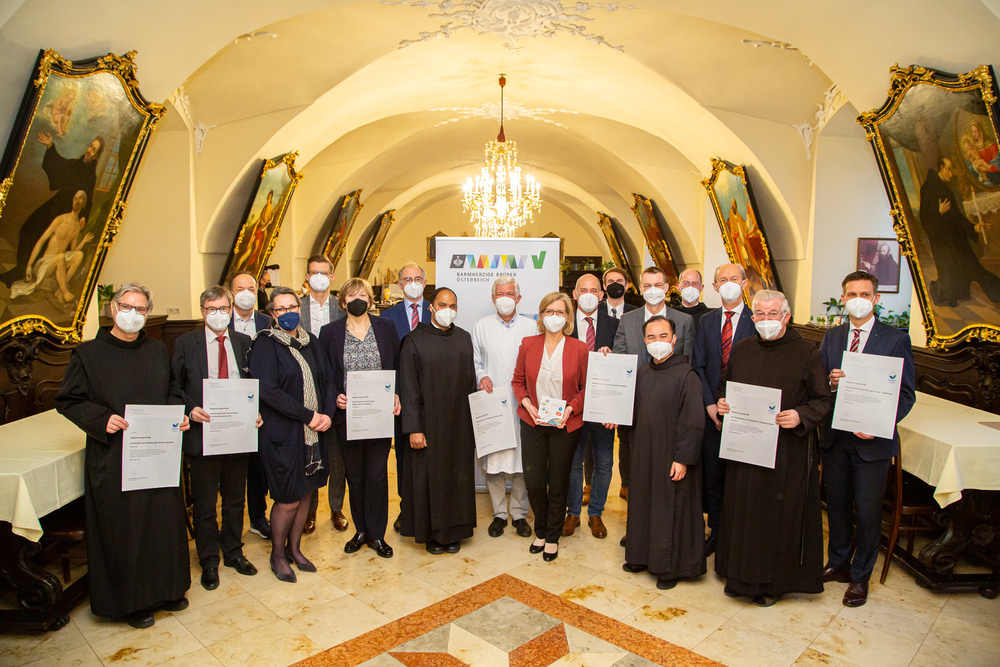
(317, 310)
(629, 340)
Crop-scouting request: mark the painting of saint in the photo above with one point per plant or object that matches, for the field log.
(880, 257)
(649, 222)
(345, 213)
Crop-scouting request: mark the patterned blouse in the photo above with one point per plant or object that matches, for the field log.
(362, 355)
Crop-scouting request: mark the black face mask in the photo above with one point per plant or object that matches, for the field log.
(358, 307)
(615, 290)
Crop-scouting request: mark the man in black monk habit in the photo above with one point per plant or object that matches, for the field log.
(67, 176)
(137, 553)
(771, 532)
(438, 374)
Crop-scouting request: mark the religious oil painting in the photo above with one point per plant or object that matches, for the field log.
(935, 140)
(64, 182)
(880, 257)
(344, 214)
(618, 254)
(258, 231)
(374, 247)
(739, 220)
(653, 229)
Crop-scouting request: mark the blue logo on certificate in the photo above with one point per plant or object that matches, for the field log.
(388, 387)
(175, 427)
(250, 398)
(772, 409)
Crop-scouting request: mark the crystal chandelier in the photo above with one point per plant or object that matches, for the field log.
(496, 202)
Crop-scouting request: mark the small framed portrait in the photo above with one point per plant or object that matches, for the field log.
(880, 257)
(432, 246)
(344, 214)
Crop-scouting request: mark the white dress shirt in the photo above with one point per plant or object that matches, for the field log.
(581, 323)
(736, 316)
(619, 310)
(213, 355)
(319, 314)
(419, 303)
(865, 329)
(248, 326)
(550, 374)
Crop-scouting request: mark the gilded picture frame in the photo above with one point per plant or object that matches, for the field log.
(935, 139)
(374, 248)
(432, 245)
(346, 212)
(653, 228)
(65, 178)
(742, 230)
(261, 222)
(618, 255)
(880, 257)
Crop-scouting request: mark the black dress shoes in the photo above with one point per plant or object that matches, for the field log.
(305, 566)
(665, 584)
(180, 604)
(209, 578)
(856, 595)
(710, 543)
(289, 578)
(764, 600)
(434, 548)
(398, 523)
(382, 549)
(549, 556)
(840, 574)
(453, 547)
(241, 565)
(623, 541)
(522, 527)
(629, 567)
(536, 548)
(496, 528)
(141, 619)
(355, 543)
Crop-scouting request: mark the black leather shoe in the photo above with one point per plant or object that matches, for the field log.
(434, 548)
(398, 523)
(382, 549)
(522, 527)
(289, 578)
(241, 565)
(180, 604)
(856, 595)
(665, 584)
(549, 557)
(839, 574)
(496, 528)
(629, 567)
(141, 619)
(305, 566)
(623, 541)
(210, 578)
(536, 549)
(355, 543)
(453, 547)
(764, 600)
(710, 543)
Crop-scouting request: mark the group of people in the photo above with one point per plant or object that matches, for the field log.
(765, 524)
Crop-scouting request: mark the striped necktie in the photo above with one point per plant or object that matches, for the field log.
(856, 343)
(414, 317)
(727, 339)
(591, 334)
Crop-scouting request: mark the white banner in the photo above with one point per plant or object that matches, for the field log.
(470, 265)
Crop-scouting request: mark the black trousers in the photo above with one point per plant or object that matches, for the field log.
(624, 457)
(256, 489)
(212, 476)
(547, 457)
(366, 466)
(713, 470)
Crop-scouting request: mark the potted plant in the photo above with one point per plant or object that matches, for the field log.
(104, 295)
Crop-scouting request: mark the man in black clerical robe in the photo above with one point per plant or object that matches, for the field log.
(437, 373)
(771, 531)
(665, 526)
(137, 552)
(66, 176)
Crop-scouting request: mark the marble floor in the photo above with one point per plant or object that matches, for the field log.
(258, 621)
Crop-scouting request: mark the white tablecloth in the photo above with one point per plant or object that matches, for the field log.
(944, 444)
(41, 469)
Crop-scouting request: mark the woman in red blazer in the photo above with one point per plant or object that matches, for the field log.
(550, 365)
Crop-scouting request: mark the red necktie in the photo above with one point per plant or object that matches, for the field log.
(414, 317)
(856, 343)
(223, 358)
(727, 338)
(591, 334)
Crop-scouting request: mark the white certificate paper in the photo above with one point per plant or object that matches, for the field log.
(493, 421)
(151, 447)
(610, 393)
(370, 399)
(749, 432)
(233, 407)
(868, 394)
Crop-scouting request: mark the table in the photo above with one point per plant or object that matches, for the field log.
(41, 470)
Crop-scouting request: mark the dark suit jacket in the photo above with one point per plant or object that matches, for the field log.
(399, 314)
(261, 321)
(629, 338)
(607, 327)
(626, 308)
(332, 339)
(885, 341)
(707, 360)
(190, 368)
(574, 380)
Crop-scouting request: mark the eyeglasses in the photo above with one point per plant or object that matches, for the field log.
(281, 310)
(548, 311)
(126, 308)
(328, 274)
(407, 281)
(211, 310)
(769, 315)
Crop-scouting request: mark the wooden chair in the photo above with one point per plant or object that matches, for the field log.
(64, 530)
(906, 496)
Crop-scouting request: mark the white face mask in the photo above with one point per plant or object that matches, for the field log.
(859, 308)
(130, 322)
(245, 300)
(659, 349)
(690, 294)
(654, 295)
(504, 305)
(768, 329)
(217, 321)
(730, 292)
(445, 317)
(587, 302)
(318, 282)
(413, 290)
(554, 323)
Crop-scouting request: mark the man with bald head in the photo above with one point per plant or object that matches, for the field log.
(718, 331)
(690, 286)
